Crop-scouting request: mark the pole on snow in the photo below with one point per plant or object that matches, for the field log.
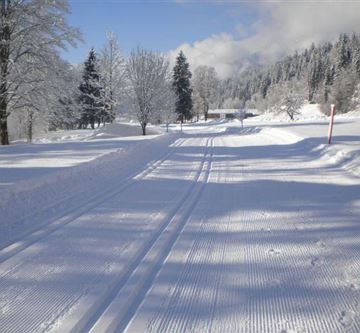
(331, 124)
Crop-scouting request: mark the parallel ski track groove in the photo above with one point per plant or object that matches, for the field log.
(29, 275)
(19, 245)
(139, 294)
(168, 319)
(71, 210)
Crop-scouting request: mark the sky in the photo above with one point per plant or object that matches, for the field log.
(228, 35)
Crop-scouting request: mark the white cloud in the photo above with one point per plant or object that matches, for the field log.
(282, 27)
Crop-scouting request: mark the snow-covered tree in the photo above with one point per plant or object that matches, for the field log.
(112, 69)
(167, 105)
(63, 96)
(182, 87)
(316, 68)
(30, 31)
(292, 102)
(199, 106)
(42, 103)
(343, 90)
(147, 75)
(205, 84)
(342, 52)
(91, 93)
(232, 103)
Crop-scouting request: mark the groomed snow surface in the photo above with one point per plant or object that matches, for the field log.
(216, 229)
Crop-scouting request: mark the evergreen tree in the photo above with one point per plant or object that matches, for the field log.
(342, 53)
(91, 93)
(356, 59)
(182, 87)
(314, 75)
(265, 84)
(343, 89)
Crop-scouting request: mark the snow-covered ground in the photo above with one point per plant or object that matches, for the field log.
(217, 229)
(311, 128)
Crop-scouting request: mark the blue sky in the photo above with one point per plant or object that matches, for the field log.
(225, 34)
(156, 25)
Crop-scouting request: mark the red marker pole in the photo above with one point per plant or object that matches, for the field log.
(331, 124)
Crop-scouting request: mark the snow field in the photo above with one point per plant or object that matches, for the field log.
(262, 259)
(72, 215)
(129, 298)
(227, 230)
(30, 204)
(66, 237)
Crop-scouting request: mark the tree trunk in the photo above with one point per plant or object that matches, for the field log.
(206, 112)
(30, 127)
(4, 134)
(4, 62)
(143, 127)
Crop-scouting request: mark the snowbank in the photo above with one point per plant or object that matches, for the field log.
(118, 129)
(64, 136)
(123, 130)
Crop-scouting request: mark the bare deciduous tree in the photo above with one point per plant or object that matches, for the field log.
(30, 32)
(147, 76)
(167, 106)
(112, 70)
(205, 83)
(291, 103)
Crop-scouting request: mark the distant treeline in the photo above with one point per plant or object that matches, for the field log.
(324, 73)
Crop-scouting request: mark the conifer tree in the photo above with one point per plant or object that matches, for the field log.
(182, 87)
(91, 93)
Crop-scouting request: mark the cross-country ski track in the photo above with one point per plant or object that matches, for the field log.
(230, 230)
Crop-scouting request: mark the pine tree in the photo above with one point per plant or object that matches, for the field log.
(265, 84)
(342, 53)
(314, 75)
(182, 87)
(91, 93)
(356, 59)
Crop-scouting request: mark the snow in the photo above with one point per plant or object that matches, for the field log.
(219, 228)
(123, 129)
(307, 112)
(60, 149)
(223, 111)
(40, 181)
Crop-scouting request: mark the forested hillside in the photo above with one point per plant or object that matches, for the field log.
(325, 73)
